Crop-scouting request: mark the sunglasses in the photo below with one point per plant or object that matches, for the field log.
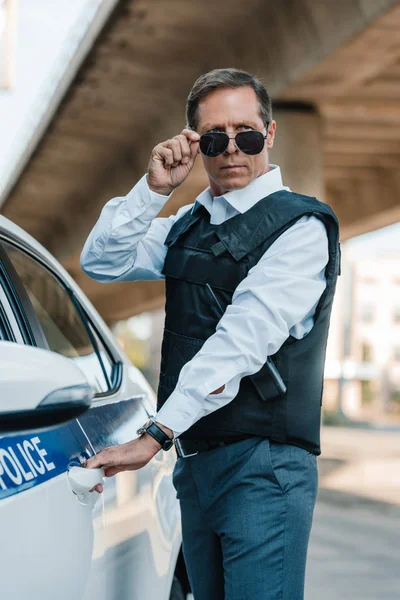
(215, 143)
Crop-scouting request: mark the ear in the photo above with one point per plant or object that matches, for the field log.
(271, 134)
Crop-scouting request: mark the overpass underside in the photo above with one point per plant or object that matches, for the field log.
(332, 68)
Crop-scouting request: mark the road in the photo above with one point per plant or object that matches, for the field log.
(355, 542)
(354, 552)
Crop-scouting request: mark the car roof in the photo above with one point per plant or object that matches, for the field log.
(20, 235)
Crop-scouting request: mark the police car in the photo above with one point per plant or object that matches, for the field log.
(67, 391)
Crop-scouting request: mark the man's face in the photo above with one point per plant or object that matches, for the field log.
(230, 111)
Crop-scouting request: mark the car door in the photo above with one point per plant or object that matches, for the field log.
(43, 527)
(130, 537)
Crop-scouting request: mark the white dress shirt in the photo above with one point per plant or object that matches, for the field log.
(277, 299)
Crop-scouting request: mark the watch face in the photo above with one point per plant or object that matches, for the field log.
(144, 427)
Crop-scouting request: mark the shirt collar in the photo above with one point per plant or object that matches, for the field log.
(247, 197)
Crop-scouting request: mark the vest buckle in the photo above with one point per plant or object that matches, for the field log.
(218, 248)
(180, 451)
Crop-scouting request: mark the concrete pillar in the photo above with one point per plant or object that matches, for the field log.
(298, 148)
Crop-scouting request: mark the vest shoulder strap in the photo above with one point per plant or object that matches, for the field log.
(182, 225)
(241, 234)
(270, 216)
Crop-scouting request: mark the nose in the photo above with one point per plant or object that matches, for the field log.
(232, 148)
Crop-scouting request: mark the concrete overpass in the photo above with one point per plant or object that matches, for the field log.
(332, 68)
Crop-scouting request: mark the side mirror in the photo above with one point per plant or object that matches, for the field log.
(39, 388)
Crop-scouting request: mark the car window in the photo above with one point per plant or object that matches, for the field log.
(61, 321)
(2, 325)
(6, 333)
(89, 362)
(8, 324)
(105, 357)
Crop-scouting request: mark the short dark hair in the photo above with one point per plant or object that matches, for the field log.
(225, 78)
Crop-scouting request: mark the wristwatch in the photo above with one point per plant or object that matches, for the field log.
(157, 433)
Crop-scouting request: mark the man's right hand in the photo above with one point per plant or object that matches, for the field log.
(171, 162)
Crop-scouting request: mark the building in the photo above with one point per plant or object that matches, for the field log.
(363, 357)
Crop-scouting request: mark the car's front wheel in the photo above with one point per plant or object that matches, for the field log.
(177, 592)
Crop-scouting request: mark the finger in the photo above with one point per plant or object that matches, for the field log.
(94, 462)
(194, 149)
(175, 146)
(185, 147)
(166, 155)
(191, 135)
(111, 471)
(105, 458)
(97, 488)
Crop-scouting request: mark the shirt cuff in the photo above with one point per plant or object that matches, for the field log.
(142, 197)
(187, 404)
(175, 415)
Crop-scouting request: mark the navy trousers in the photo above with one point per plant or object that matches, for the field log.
(247, 511)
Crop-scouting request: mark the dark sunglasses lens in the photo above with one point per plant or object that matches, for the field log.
(214, 144)
(250, 142)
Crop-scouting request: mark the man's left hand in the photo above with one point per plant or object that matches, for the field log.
(125, 457)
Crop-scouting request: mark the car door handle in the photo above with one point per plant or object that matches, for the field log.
(82, 480)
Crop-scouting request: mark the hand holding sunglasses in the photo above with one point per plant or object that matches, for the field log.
(171, 162)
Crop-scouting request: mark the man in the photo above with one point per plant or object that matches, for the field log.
(250, 273)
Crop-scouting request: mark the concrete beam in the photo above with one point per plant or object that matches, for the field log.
(355, 193)
(301, 171)
(357, 92)
(130, 92)
(357, 63)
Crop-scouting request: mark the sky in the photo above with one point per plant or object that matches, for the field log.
(47, 34)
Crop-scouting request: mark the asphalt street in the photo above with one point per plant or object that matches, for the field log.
(355, 542)
(354, 552)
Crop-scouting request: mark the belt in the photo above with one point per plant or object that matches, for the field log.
(185, 448)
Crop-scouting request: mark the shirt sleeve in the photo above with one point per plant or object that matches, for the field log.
(127, 242)
(276, 299)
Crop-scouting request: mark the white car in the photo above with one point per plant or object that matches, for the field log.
(67, 391)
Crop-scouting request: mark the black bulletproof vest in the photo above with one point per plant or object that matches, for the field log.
(203, 266)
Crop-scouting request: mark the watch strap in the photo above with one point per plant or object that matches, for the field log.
(159, 435)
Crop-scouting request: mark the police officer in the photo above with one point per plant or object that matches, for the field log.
(250, 272)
